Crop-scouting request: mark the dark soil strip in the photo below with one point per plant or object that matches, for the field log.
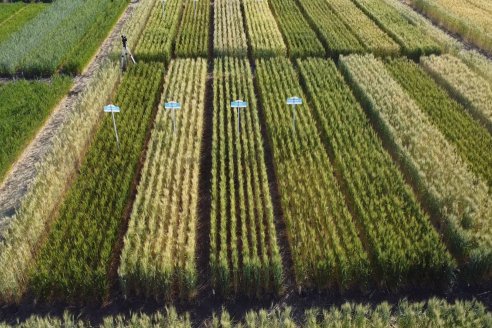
(205, 181)
(118, 246)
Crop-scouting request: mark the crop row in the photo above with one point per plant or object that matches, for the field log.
(450, 187)
(74, 262)
(158, 257)
(473, 143)
(229, 32)
(192, 39)
(263, 32)
(369, 34)
(64, 35)
(14, 22)
(336, 36)
(466, 85)
(470, 21)
(244, 254)
(157, 38)
(300, 38)
(28, 226)
(413, 39)
(325, 247)
(432, 313)
(24, 106)
(404, 245)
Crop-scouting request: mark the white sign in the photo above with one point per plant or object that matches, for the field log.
(111, 109)
(294, 101)
(239, 104)
(172, 105)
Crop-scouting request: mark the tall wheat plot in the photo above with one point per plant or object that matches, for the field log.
(244, 255)
(325, 247)
(158, 257)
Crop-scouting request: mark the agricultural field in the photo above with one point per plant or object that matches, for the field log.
(14, 16)
(471, 20)
(24, 107)
(63, 37)
(271, 163)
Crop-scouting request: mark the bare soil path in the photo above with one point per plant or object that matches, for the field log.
(22, 174)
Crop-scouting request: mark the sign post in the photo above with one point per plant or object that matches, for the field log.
(113, 109)
(294, 101)
(173, 105)
(238, 104)
(163, 7)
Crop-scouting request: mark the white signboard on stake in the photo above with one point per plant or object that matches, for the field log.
(173, 105)
(113, 109)
(294, 101)
(238, 104)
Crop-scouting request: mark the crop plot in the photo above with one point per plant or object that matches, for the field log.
(192, 39)
(158, 36)
(368, 33)
(462, 199)
(158, 258)
(336, 36)
(73, 264)
(244, 254)
(404, 245)
(413, 39)
(325, 247)
(58, 38)
(229, 33)
(10, 24)
(24, 106)
(264, 35)
(472, 142)
(300, 38)
(466, 85)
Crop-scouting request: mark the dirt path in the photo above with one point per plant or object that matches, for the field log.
(22, 174)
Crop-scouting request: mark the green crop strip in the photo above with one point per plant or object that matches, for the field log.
(156, 41)
(325, 247)
(73, 264)
(301, 39)
(244, 254)
(472, 141)
(192, 39)
(24, 106)
(165, 213)
(406, 248)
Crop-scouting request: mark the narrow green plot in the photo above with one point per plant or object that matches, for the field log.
(24, 106)
(192, 39)
(74, 263)
(472, 141)
(16, 21)
(300, 38)
(159, 33)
